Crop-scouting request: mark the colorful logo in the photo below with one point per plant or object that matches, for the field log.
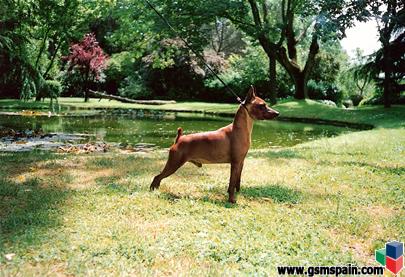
(392, 256)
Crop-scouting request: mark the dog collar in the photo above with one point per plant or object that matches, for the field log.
(243, 105)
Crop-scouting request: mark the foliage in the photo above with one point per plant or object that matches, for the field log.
(324, 91)
(53, 88)
(119, 67)
(323, 78)
(327, 64)
(18, 76)
(87, 57)
(359, 78)
(277, 45)
(225, 39)
(133, 87)
(88, 60)
(243, 70)
(388, 62)
(173, 58)
(276, 28)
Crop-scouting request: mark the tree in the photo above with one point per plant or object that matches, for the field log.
(88, 60)
(285, 49)
(56, 23)
(224, 38)
(33, 35)
(390, 59)
(281, 28)
(362, 78)
(18, 75)
(298, 21)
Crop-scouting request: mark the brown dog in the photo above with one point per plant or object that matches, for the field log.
(229, 144)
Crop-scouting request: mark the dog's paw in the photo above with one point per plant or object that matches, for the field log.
(232, 200)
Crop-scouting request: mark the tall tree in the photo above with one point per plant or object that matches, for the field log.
(56, 23)
(18, 75)
(282, 28)
(390, 59)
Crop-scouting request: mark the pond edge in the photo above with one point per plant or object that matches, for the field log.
(337, 123)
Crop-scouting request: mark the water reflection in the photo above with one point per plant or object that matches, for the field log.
(160, 128)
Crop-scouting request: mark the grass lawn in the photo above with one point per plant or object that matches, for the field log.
(327, 202)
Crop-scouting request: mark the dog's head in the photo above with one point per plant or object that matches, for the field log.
(257, 107)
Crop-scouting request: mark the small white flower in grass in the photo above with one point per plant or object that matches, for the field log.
(9, 257)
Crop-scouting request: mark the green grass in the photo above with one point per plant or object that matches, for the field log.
(292, 109)
(78, 103)
(327, 202)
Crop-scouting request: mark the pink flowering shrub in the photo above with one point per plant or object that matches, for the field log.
(88, 59)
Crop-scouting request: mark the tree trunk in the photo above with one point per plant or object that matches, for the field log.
(387, 77)
(297, 75)
(86, 96)
(86, 91)
(300, 86)
(41, 50)
(38, 96)
(45, 75)
(52, 60)
(273, 79)
(388, 63)
(86, 86)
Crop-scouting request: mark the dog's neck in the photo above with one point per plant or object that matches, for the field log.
(243, 122)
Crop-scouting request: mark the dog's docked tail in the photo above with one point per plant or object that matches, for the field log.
(179, 134)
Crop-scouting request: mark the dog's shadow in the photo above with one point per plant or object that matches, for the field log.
(275, 193)
(174, 197)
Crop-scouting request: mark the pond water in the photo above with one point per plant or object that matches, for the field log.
(160, 128)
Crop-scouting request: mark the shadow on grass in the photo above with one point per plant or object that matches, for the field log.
(173, 198)
(277, 193)
(277, 154)
(28, 208)
(378, 169)
(394, 170)
(18, 162)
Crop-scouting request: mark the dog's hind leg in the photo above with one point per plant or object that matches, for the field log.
(174, 162)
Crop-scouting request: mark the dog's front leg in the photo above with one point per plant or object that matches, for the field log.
(237, 186)
(236, 169)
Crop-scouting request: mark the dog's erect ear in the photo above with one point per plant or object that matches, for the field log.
(251, 95)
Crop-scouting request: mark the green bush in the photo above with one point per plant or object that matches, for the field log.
(133, 87)
(285, 85)
(121, 66)
(252, 68)
(53, 88)
(324, 91)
